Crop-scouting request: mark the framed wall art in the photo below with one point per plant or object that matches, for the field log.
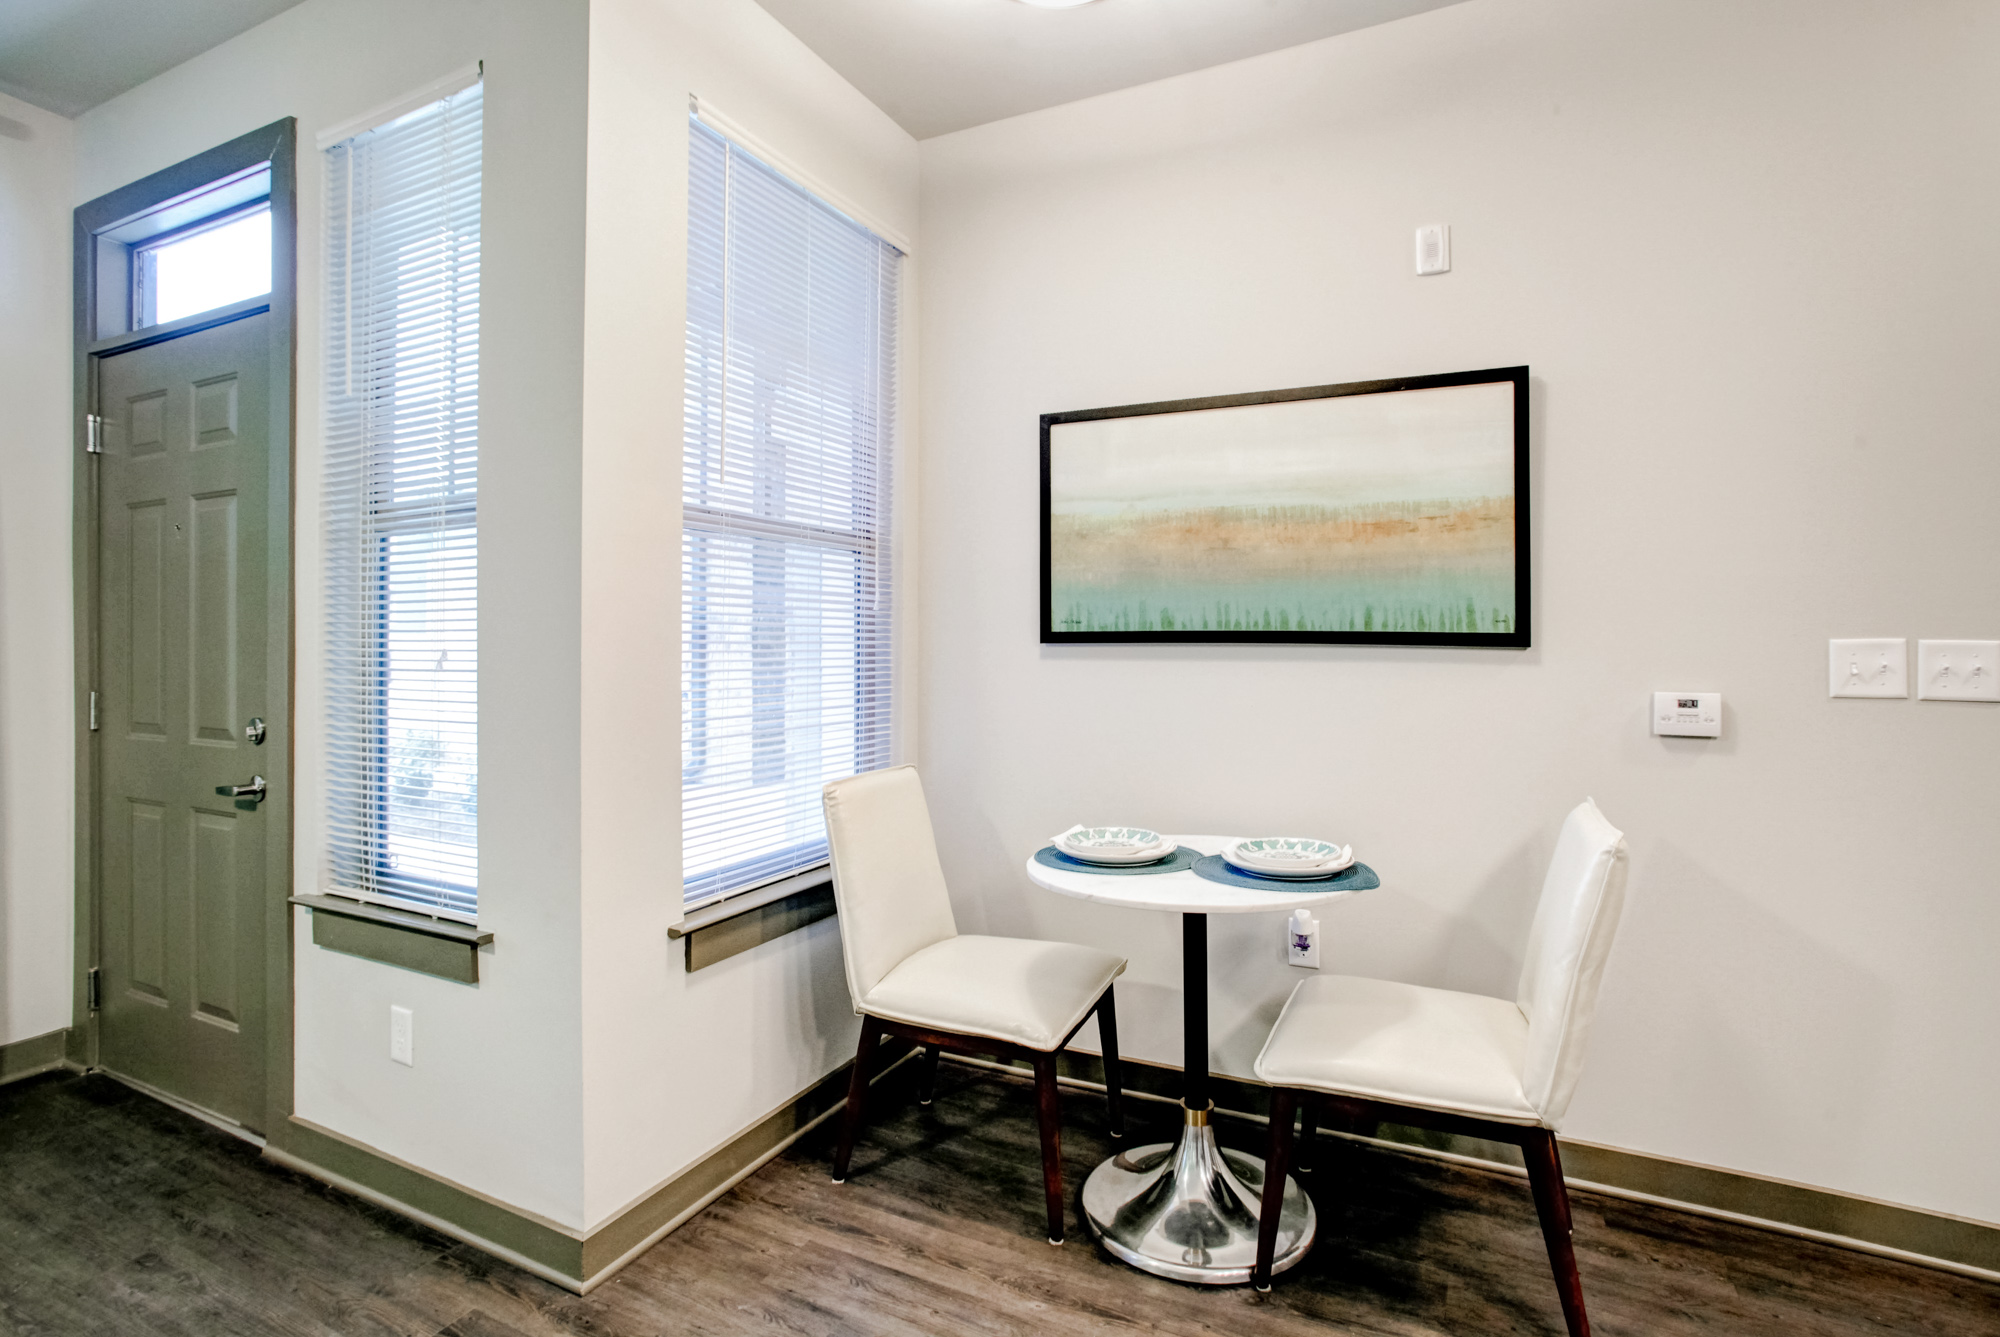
(1376, 513)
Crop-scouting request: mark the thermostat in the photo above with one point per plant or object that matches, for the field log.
(1687, 714)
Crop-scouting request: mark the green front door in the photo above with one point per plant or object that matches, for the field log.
(184, 536)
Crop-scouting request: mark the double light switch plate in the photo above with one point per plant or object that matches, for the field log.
(1868, 668)
(1958, 670)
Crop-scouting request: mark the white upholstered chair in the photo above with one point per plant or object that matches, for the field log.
(914, 976)
(1372, 1051)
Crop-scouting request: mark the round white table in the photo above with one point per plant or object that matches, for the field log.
(1186, 1209)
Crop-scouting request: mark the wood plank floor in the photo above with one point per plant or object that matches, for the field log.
(119, 1215)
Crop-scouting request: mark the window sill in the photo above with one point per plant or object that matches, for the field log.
(751, 918)
(395, 937)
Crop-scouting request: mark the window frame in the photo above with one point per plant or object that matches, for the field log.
(357, 859)
(878, 720)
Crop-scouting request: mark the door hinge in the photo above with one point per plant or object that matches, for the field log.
(94, 987)
(93, 712)
(93, 433)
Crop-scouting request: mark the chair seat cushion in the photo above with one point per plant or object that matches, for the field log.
(1022, 990)
(1402, 1043)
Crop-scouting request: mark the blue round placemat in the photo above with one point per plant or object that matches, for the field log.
(1355, 877)
(1048, 856)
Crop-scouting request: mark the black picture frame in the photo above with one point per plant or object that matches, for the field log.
(1515, 636)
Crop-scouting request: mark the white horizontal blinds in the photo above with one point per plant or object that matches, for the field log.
(402, 493)
(785, 632)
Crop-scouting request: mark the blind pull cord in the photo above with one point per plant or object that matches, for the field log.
(728, 297)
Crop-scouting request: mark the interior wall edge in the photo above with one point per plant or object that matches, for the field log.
(37, 706)
(650, 1029)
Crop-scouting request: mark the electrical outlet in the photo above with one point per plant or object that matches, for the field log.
(402, 1035)
(1302, 940)
(1868, 668)
(1958, 670)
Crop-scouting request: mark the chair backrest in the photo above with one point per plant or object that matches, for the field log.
(887, 882)
(1567, 948)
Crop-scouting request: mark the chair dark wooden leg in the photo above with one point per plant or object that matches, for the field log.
(1545, 1177)
(1307, 1158)
(927, 1083)
(857, 1096)
(1107, 1036)
(1277, 1156)
(1048, 1110)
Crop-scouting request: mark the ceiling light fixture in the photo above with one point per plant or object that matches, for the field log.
(1055, 4)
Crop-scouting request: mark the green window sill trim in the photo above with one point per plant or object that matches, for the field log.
(395, 937)
(751, 918)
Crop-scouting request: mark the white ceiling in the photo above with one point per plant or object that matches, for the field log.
(69, 55)
(934, 65)
(942, 65)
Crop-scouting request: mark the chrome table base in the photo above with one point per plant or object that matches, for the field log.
(1188, 1210)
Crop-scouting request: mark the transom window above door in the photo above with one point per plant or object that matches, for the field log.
(215, 263)
(205, 250)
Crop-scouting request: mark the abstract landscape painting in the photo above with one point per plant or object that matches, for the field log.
(1382, 513)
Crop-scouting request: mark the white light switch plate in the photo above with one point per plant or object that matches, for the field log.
(402, 1035)
(1434, 248)
(1687, 714)
(1958, 670)
(1868, 668)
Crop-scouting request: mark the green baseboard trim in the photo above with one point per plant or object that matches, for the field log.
(576, 1260)
(1933, 1239)
(37, 1054)
(656, 1214)
(550, 1250)
(1957, 1242)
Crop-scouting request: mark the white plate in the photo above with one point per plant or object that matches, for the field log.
(1113, 844)
(1289, 857)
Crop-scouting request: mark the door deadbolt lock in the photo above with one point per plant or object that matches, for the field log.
(253, 732)
(247, 796)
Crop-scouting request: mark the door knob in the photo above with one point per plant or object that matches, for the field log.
(247, 796)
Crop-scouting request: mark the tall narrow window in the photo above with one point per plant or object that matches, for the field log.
(402, 504)
(785, 632)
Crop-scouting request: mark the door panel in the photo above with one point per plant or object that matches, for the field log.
(146, 592)
(184, 482)
(212, 646)
(215, 916)
(146, 417)
(147, 945)
(215, 412)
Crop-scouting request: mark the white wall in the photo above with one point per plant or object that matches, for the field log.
(1745, 249)
(493, 1100)
(37, 771)
(587, 1067)
(676, 1064)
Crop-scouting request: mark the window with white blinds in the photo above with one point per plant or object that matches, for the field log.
(786, 607)
(402, 501)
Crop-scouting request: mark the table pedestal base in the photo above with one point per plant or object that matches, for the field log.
(1188, 1210)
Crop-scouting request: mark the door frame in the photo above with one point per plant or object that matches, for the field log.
(275, 144)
